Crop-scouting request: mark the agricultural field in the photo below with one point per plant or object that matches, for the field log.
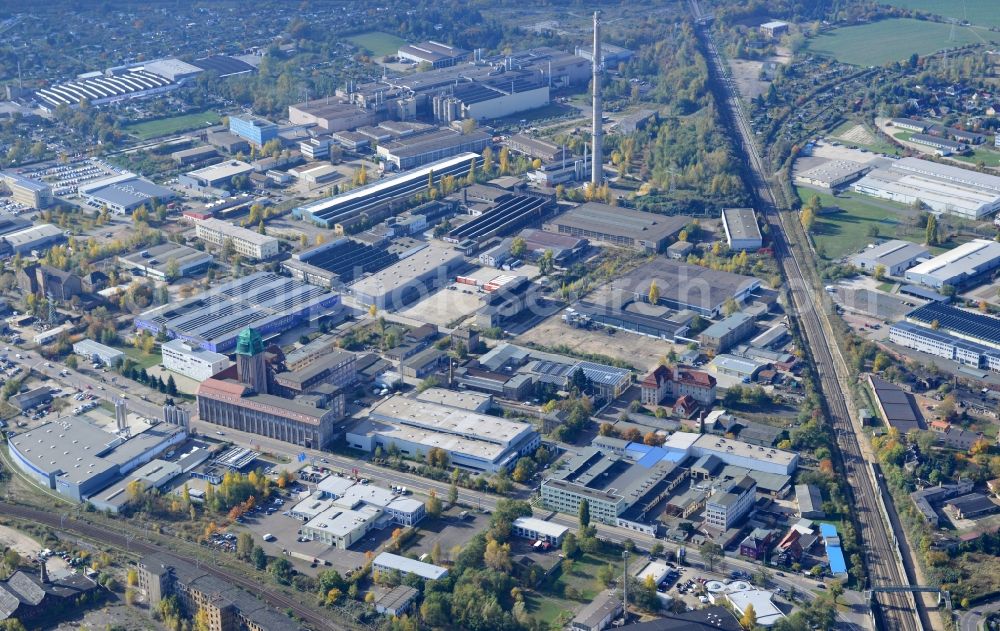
(377, 42)
(894, 40)
(172, 125)
(981, 12)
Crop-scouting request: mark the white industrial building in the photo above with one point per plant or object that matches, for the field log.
(741, 454)
(471, 440)
(539, 530)
(895, 255)
(388, 562)
(832, 174)
(192, 361)
(246, 242)
(958, 265)
(941, 187)
(95, 352)
(415, 276)
(742, 231)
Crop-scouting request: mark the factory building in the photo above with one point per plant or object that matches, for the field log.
(833, 174)
(973, 327)
(963, 265)
(26, 191)
(166, 261)
(373, 202)
(247, 243)
(742, 231)
(336, 367)
(943, 146)
(723, 335)
(419, 149)
(609, 225)
(270, 303)
(910, 124)
(217, 177)
(436, 54)
(410, 279)
(774, 29)
(194, 155)
(35, 238)
(942, 188)
(100, 89)
(489, 100)
(192, 361)
(682, 286)
(77, 458)
(611, 55)
(226, 608)
(98, 353)
(895, 255)
(122, 194)
(257, 131)
(227, 402)
(472, 441)
(330, 116)
(388, 562)
(172, 69)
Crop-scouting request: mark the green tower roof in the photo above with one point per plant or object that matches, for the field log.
(249, 342)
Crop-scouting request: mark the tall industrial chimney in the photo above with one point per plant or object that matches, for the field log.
(596, 172)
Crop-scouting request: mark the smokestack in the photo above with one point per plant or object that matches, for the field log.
(595, 169)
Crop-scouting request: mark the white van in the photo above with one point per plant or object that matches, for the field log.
(269, 537)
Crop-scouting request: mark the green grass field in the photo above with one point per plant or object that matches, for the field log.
(377, 42)
(982, 154)
(172, 125)
(553, 606)
(144, 360)
(981, 12)
(846, 232)
(894, 40)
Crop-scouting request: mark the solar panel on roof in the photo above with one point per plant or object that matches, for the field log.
(975, 325)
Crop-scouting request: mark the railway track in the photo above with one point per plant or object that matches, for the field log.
(875, 514)
(313, 619)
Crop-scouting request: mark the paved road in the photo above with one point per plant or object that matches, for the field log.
(974, 619)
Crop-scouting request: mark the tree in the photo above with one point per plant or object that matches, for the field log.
(584, 514)
(497, 556)
(931, 230)
(171, 386)
(807, 217)
(504, 161)
(244, 546)
(749, 619)
(654, 293)
(487, 163)
(436, 557)
(569, 546)
(836, 590)
(518, 247)
(433, 505)
(656, 550)
(281, 569)
(258, 558)
(879, 272)
(453, 491)
(710, 553)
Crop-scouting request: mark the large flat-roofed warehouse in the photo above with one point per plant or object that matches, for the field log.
(974, 327)
(167, 261)
(958, 266)
(26, 191)
(122, 194)
(420, 149)
(246, 242)
(472, 440)
(609, 225)
(34, 238)
(372, 198)
(172, 69)
(434, 53)
(330, 115)
(413, 277)
(77, 458)
(490, 98)
(925, 339)
(742, 231)
(270, 303)
(895, 255)
(684, 286)
(943, 188)
(537, 148)
(101, 90)
(339, 261)
(218, 176)
(832, 174)
(943, 145)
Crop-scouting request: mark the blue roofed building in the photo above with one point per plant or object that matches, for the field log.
(834, 553)
(256, 130)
